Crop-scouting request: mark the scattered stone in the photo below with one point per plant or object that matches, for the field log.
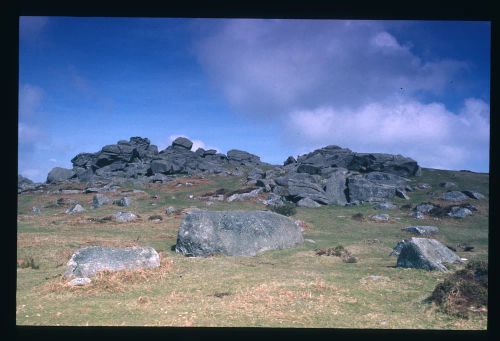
(310, 241)
(66, 202)
(80, 281)
(424, 253)
(86, 262)
(155, 218)
(380, 217)
(244, 196)
(448, 185)
(425, 207)
(236, 233)
(36, 210)
(417, 215)
(124, 217)
(474, 195)
(100, 200)
(384, 206)
(306, 202)
(459, 212)
(423, 186)
(454, 196)
(170, 210)
(75, 209)
(70, 191)
(124, 202)
(421, 230)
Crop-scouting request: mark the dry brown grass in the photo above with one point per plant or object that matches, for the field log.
(107, 281)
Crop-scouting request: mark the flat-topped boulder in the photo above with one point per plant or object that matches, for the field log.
(86, 262)
(236, 233)
(454, 196)
(425, 253)
(182, 142)
(241, 157)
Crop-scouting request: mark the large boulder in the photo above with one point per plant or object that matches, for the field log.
(387, 163)
(183, 143)
(474, 195)
(240, 157)
(362, 189)
(424, 253)
(235, 233)
(59, 174)
(88, 261)
(100, 200)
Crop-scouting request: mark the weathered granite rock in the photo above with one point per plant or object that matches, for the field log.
(274, 200)
(448, 185)
(59, 174)
(335, 187)
(424, 207)
(402, 194)
(424, 253)
(290, 160)
(454, 196)
(459, 212)
(100, 200)
(381, 217)
(170, 210)
(303, 185)
(124, 202)
(182, 142)
(474, 195)
(362, 189)
(240, 157)
(244, 196)
(88, 261)
(397, 249)
(421, 230)
(236, 233)
(80, 281)
(306, 202)
(75, 209)
(417, 215)
(124, 217)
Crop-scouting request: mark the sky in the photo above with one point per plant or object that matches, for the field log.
(270, 87)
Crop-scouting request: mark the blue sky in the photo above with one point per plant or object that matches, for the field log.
(271, 87)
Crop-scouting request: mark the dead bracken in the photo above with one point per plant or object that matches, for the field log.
(338, 251)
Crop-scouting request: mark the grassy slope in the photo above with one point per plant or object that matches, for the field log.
(278, 288)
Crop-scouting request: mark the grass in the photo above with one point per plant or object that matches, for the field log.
(280, 288)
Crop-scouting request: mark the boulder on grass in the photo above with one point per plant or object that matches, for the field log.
(454, 196)
(235, 233)
(99, 200)
(306, 202)
(88, 261)
(124, 217)
(421, 230)
(474, 195)
(424, 253)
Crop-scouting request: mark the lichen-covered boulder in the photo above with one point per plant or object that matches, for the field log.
(86, 262)
(236, 233)
(424, 253)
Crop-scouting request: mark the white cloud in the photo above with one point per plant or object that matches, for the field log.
(429, 133)
(53, 160)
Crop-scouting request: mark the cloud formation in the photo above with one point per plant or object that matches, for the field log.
(350, 83)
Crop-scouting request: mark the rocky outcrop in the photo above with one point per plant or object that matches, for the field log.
(235, 233)
(88, 261)
(58, 174)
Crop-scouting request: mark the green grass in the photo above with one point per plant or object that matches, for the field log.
(280, 288)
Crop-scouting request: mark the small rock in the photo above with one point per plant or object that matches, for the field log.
(454, 196)
(423, 186)
(99, 200)
(417, 215)
(75, 209)
(380, 217)
(124, 202)
(170, 210)
(310, 241)
(459, 212)
(36, 210)
(124, 217)
(80, 281)
(307, 202)
(155, 218)
(448, 185)
(421, 230)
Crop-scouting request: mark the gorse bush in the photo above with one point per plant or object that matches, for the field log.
(288, 209)
(463, 292)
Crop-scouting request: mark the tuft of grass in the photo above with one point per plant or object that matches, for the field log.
(464, 292)
(28, 262)
(358, 217)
